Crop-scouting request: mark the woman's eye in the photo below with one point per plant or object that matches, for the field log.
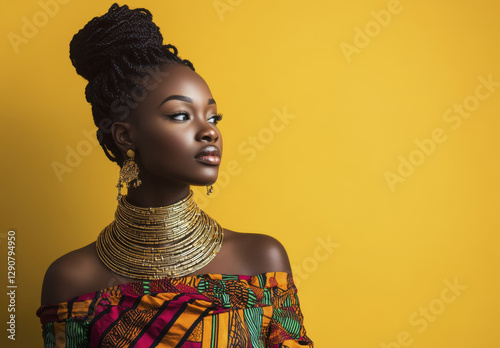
(215, 119)
(179, 117)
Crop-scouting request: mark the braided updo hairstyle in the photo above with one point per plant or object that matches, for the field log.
(112, 52)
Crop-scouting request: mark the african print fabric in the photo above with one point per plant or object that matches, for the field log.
(210, 310)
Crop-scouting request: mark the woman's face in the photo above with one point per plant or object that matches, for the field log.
(171, 126)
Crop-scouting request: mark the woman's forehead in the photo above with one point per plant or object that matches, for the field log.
(176, 79)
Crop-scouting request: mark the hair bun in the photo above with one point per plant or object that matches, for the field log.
(121, 34)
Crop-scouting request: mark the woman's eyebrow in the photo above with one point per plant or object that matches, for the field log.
(183, 98)
(177, 97)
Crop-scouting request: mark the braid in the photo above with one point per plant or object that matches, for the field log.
(112, 53)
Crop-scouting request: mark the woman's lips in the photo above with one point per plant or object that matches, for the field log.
(209, 155)
(214, 160)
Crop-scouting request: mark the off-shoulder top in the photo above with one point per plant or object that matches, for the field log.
(209, 310)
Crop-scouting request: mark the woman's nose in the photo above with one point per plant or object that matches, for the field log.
(208, 133)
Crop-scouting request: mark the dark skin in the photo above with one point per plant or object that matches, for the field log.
(166, 136)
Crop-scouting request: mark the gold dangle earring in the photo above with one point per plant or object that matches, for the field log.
(210, 189)
(128, 173)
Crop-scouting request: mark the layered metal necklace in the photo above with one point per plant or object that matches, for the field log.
(152, 243)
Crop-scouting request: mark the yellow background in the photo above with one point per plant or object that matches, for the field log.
(321, 177)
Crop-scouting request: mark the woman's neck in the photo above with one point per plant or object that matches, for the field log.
(156, 195)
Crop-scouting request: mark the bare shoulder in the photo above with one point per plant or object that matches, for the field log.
(260, 252)
(68, 276)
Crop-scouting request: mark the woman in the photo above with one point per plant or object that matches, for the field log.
(163, 273)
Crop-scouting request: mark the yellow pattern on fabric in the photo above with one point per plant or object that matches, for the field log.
(210, 310)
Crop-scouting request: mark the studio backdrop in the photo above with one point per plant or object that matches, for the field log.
(364, 135)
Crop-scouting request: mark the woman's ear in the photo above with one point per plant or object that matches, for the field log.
(121, 135)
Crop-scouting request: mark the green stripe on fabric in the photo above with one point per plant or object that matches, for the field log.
(50, 340)
(146, 287)
(253, 319)
(230, 277)
(262, 281)
(267, 298)
(287, 302)
(77, 334)
(215, 327)
(202, 286)
(287, 321)
(252, 298)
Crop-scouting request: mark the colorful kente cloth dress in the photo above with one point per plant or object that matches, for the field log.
(209, 310)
